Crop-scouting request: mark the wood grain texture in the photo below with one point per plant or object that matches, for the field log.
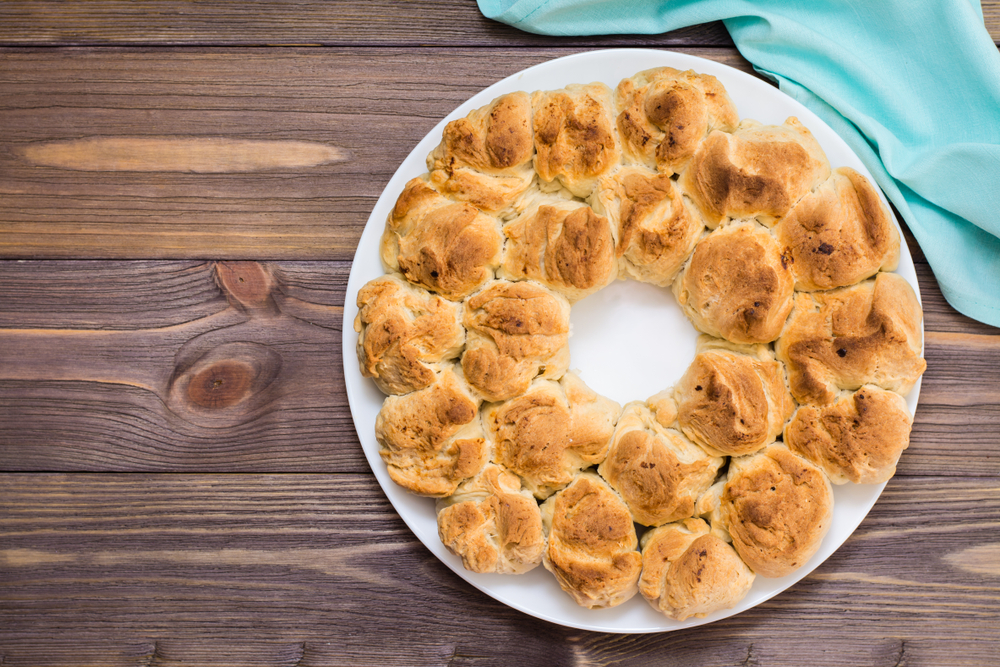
(204, 569)
(371, 106)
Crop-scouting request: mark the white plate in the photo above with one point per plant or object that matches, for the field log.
(622, 311)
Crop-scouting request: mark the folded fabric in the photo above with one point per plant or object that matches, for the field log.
(914, 89)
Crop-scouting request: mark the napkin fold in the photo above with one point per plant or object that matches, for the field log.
(914, 89)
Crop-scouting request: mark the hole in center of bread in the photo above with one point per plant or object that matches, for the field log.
(630, 340)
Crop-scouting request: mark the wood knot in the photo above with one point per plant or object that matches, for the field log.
(248, 284)
(221, 385)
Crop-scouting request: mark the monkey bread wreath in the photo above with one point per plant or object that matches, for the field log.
(808, 341)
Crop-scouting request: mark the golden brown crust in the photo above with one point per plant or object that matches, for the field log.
(657, 471)
(575, 138)
(732, 402)
(551, 432)
(857, 439)
(485, 157)
(657, 229)
(403, 331)
(562, 244)
(736, 285)
(664, 114)
(432, 439)
(868, 333)
(758, 171)
(446, 247)
(492, 524)
(687, 571)
(517, 331)
(592, 545)
(838, 235)
(777, 507)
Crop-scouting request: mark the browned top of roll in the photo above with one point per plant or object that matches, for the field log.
(562, 244)
(663, 114)
(840, 234)
(736, 285)
(492, 524)
(516, 332)
(758, 171)
(402, 332)
(687, 571)
(869, 333)
(432, 440)
(575, 138)
(485, 158)
(447, 247)
(856, 439)
(551, 432)
(658, 472)
(656, 229)
(777, 507)
(592, 545)
(731, 401)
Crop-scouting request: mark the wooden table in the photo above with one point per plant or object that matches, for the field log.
(158, 507)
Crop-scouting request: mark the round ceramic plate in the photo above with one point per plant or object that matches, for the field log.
(628, 341)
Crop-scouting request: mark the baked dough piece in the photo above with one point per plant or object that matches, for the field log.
(657, 471)
(657, 229)
(575, 138)
(432, 440)
(664, 114)
(492, 523)
(857, 439)
(551, 432)
(562, 244)
(842, 339)
(447, 247)
(733, 400)
(758, 171)
(516, 332)
(687, 571)
(838, 235)
(736, 285)
(403, 332)
(592, 545)
(776, 508)
(485, 158)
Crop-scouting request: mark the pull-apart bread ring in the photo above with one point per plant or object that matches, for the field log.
(562, 244)
(446, 247)
(658, 472)
(757, 171)
(592, 546)
(838, 235)
(664, 114)
(517, 331)
(551, 432)
(842, 339)
(403, 332)
(736, 285)
(687, 571)
(485, 158)
(575, 138)
(432, 439)
(733, 400)
(656, 226)
(776, 508)
(492, 523)
(858, 438)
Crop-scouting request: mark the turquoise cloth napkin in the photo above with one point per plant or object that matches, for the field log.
(913, 87)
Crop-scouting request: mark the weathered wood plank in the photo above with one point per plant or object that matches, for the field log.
(94, 356)
(163, 569)
(367, 108)
(294, 22)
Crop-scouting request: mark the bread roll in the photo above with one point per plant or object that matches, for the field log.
(592, 545)
(403, 332)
